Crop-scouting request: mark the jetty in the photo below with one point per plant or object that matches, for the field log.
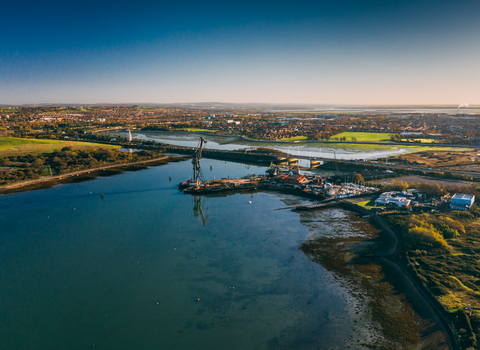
(286, 179)
(317, 206)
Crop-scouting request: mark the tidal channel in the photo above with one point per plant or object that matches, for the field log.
(147, 267)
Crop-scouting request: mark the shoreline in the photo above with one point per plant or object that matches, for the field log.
(389, 254)
(392, 256)
(295, 142)
(388, 257)
(83, 175)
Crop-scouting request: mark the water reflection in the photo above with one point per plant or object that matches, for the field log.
(199, 210)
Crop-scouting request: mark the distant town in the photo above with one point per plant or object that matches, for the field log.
(254, 123)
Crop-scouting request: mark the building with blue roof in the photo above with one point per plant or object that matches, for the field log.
(462, 201)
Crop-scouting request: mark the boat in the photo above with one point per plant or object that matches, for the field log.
(186, 184)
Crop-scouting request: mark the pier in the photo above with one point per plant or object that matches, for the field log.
(277, 178)
(317, 206)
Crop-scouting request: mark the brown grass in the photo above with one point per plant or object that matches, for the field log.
(438, 159)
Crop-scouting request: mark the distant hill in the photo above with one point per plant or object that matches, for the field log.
(284, 106)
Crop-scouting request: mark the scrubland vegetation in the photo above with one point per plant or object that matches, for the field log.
(30, 167)
(442, 250)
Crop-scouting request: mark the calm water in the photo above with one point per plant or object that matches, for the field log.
(390, 111)
(342, 151)
(143, 270)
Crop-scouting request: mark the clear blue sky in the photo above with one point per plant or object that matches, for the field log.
(332, 52)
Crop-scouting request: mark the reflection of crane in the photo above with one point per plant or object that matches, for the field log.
(198, 210)
(197, 171)
(336, 164)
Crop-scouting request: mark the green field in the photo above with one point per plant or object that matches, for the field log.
(13, 146)
(419, 140)
(415, 149)
(364, 136)
(197, 130)
(370, 204)
(296, 138)
(77, 110)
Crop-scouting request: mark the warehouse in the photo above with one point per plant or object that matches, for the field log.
(462, 201)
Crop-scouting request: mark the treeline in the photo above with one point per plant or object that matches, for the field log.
(156, 127)
(30, 167)
(428, 231)
(8, 176)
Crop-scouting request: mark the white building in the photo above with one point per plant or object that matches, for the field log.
(462, 201)
(384, 198)
(400, 201)
(388, 198)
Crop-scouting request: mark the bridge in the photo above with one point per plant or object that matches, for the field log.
(279, 158)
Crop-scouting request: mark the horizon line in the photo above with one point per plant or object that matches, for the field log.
(130, 104)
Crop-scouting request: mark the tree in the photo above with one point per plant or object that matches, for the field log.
(396, 186)
(358, 178)
(38, 162)
(431, 189)
(5, 161)
(395, 137)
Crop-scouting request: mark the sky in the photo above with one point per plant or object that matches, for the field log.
(308, 52)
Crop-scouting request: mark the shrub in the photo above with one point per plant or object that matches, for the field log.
(423, 236)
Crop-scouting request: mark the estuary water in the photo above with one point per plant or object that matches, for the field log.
(148, 267)
(340, 151)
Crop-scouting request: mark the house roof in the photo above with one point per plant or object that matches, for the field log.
(467, 197)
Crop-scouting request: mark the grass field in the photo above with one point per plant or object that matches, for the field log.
(419, 140)
(414, 149)
(434, 158)
(296, 138)
(12, 146)
(370, 204)
(72, 110)
(365, 136)
(197, 130)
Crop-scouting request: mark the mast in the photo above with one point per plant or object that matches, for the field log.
(197, 171)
